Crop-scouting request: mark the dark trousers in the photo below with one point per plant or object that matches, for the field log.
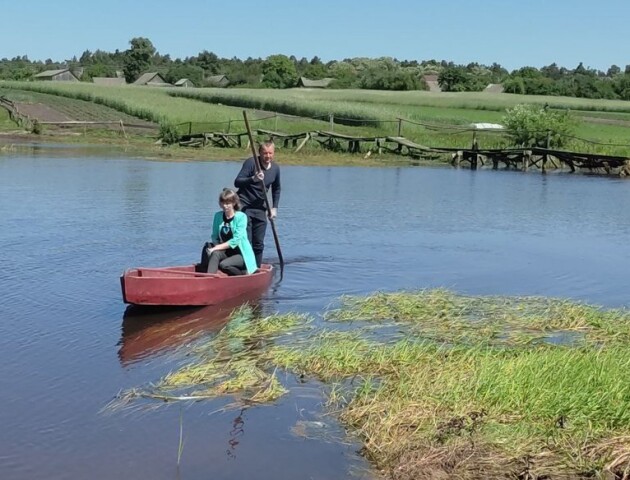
(256, 229)
(225, 260)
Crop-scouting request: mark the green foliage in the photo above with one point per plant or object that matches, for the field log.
(36, 128)
(398, 79)
(98, 70)
(459, 79)
(531, 125)
(138, 58)
(169, 133)
(279, 72)
(181, 70)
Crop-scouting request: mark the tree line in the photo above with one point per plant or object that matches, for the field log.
(281, 71)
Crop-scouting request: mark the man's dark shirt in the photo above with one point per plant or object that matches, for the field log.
(250, 190)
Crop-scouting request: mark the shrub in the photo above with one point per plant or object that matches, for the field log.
(529, 125)
(169, 133)
(36, 128)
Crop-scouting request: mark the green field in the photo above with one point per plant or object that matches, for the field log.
(603, 125)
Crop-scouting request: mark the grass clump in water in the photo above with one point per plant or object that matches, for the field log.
(440, 385)
(231, 363)
(463, 395)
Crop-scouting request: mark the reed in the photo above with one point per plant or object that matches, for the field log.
(436, 383)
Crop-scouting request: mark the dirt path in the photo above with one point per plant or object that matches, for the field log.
(42, 113)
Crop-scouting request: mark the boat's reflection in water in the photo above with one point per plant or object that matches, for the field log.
(147, 331)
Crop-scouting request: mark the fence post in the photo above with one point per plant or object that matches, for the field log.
(400, 127)
(229, 126)
(546, 155)
(189, 128)
(331, 119)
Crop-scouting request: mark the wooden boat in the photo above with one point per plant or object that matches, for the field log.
(186, 287)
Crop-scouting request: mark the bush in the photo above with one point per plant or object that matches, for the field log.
(36, 128)
(529, 126)
(169, 133)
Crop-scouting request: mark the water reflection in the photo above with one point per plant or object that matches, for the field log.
(238, 430)
(147, 331)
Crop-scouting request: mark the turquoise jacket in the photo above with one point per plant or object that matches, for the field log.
(239, 237)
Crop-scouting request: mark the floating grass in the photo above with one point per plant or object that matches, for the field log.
(470, 387)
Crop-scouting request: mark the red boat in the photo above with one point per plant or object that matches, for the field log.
(185, 286)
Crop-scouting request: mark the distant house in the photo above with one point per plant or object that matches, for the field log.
(494, 88)
(217, 81)
(308, 83)
(109, 81)
(184, 82)
(63, 75)
(152, 79)
(432, 82)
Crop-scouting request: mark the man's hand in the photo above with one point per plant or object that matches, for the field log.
(273, 213)
(258, 177)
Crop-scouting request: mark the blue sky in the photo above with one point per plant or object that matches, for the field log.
(513, 33)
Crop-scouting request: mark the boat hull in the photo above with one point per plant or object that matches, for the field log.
(183, 286)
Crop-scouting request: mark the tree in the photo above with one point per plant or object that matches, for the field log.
(613, 70)
(279, 72)
(457, 79)
(530, 125)
(138, 58)
(208, 61)
(177, 71)
(344, 74)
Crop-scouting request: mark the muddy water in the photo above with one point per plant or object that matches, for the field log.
(70, 224)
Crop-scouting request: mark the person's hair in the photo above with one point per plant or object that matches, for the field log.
(229, 195)
(267, 144)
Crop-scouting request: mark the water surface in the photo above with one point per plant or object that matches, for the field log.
(71, 224)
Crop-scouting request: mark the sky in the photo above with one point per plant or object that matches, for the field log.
(513, 33)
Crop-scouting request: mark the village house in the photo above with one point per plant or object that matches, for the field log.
(184, 82)
(308, 83)
(152, 79)
(217, 81)
(431, 80)
(62, 75)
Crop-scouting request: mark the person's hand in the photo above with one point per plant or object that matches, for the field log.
(273, 213)
(258, 177)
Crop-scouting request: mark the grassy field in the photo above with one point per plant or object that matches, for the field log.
(356, 112)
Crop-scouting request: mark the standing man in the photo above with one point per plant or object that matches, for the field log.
(253, 197)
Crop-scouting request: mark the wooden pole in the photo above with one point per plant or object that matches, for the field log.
(400, 127)
(546, 155)
(331, 119)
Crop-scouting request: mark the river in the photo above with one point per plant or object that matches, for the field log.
(72, 222)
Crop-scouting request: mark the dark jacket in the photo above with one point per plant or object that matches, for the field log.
(250, 190)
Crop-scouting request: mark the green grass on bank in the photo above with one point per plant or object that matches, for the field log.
(363, 113)
(441, 384)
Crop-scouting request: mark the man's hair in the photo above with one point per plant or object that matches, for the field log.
(267, 144)
(229, 195)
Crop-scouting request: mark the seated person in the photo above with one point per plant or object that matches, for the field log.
(230, 250)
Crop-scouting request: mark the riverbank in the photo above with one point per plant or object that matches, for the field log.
(439, 385)
(150, 148)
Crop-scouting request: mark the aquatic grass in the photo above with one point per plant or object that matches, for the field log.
(476, 387)
(442, 315)
(231, 363)
(515, 400)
